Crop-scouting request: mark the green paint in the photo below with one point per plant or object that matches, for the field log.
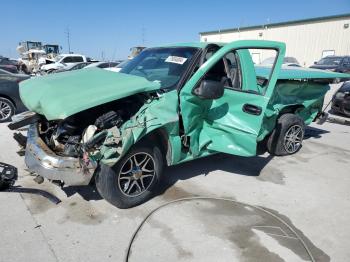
(58, 96)
(221, 125)
(210, 126)
(158, 113)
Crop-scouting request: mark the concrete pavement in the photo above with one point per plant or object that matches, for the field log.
(309, 191)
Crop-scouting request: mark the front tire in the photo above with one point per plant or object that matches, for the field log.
(133, 179)
(287, 137)
(7, 110)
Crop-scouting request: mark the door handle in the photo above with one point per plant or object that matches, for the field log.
(252, 109)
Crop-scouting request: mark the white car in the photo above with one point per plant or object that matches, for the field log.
(62, 61)
(104, 65)
(118, 67)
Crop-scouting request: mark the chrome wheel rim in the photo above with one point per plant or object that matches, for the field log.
(136, 174)
(5, 110)
(293, 139)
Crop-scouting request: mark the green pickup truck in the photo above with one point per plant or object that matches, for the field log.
(168, 105)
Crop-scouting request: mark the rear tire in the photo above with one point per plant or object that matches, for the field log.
(287, 137)
(133, 179)
(7, 109)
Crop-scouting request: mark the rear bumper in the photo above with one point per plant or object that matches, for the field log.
(41, 160)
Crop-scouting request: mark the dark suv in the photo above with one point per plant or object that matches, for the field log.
(10, 101)
(339, 64)
(341, 100)
(8, 65)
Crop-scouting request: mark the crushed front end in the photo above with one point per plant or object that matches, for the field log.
(41, 160)
(68, 151)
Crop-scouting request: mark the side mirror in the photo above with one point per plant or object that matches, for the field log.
(315, 63)
(209, 89)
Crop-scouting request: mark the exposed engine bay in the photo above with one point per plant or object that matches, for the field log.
(86, 131)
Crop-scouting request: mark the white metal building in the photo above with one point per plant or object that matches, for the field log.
(307, 40)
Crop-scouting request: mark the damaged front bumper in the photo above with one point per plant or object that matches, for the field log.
(40, 159)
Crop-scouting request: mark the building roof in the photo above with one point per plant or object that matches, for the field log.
(292, 22)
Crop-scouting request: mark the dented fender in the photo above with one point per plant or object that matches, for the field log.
(161, 112)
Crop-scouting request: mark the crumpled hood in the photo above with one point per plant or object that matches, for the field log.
(60, 95)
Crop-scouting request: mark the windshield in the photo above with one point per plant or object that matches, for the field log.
(51, 49)
(330, 61)
(122, 64)
(163, 65)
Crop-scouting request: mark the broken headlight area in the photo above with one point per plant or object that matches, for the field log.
(83, 134)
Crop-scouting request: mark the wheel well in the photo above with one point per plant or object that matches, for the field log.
(8, 98)
(290, 109)
(160, 137)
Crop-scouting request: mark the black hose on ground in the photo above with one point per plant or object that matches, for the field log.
(34, 191)
(8, 177)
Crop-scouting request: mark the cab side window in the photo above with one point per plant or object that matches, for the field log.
(217, 72)
(77, 59)
(226, 71)
(233, 71)
(346, 62)
(238, 71)
(67, 59)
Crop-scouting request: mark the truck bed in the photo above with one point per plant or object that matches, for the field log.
(289, 72)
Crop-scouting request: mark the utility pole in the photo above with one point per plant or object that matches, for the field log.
(68, 38)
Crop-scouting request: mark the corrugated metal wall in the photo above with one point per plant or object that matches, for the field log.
(306, 42)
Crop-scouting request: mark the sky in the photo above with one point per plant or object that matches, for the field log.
(110, 28)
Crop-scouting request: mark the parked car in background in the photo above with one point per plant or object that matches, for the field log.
(287, 61)
(118, 67)
(339, 64)
(341, 100)
(8, 65)
(63, 61)
(72, 67)
(103, 64)
(10, 101)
